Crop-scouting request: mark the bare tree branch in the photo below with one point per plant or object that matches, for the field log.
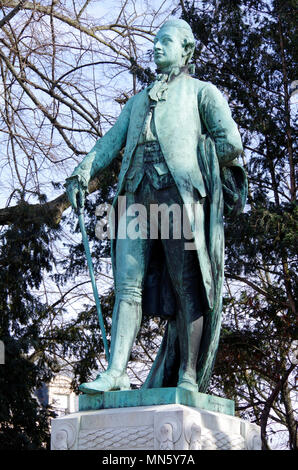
(48, 213)
(12, 13)
(253, 286)
(269, 403)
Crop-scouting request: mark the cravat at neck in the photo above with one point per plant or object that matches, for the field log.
(158, 91)
(159, 88)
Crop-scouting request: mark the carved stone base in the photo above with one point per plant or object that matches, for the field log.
(162, 427)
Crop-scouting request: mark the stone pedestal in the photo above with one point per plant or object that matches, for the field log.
(169, 427)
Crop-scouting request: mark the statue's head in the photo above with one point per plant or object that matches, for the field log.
(173, 45)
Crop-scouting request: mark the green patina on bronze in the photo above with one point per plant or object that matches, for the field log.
(199, 143)
(156, 396)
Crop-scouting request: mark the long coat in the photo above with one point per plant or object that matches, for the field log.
(200, 142)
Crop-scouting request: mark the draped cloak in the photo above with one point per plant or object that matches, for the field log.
(226, 192)
(200, 143)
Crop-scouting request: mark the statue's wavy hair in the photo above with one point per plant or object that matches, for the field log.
(187, 37)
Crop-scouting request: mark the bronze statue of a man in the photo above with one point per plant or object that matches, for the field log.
(181, 146)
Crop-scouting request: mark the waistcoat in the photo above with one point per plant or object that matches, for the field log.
(148, 159)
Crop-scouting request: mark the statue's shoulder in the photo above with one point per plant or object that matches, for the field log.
(199, 85)
(138, 97)
(202, 85)
(208, 91)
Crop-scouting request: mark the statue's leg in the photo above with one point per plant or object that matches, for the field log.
(189, 319)
(190, 335)
(186, 279)
(126, 324)
(131, 261)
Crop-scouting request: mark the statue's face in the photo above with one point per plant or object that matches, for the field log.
(168, 49)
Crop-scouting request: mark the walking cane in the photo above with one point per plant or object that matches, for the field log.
(80, 213)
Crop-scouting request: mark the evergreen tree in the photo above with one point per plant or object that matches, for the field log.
(24, 256)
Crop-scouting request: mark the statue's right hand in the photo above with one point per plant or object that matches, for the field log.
(76, 190)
